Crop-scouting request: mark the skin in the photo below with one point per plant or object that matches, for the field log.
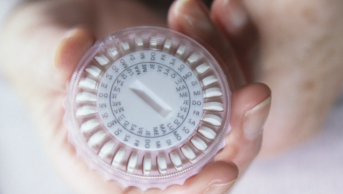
(52, 36)
(294, 47)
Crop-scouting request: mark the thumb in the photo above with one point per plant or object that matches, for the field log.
(70, 50)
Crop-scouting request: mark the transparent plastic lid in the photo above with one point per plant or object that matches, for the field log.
(148, 107)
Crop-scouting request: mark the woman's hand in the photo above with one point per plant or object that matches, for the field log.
(42, 44)
(295, 47)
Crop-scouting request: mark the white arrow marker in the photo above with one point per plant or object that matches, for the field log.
(150, 98)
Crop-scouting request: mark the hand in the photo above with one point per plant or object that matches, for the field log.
(52, 37)
(294, 47)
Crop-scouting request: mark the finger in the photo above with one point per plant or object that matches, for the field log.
(215, 178)
(231, 15)
(70, 50)
(233, 20)
(250, 109)
(192, 18)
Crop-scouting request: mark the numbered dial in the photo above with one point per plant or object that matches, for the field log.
(150, 100)
(148, 107)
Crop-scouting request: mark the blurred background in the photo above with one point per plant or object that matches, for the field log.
(316, 167)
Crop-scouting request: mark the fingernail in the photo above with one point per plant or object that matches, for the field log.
(234, 17)
(255, 118)
(195, 15)
(179, 4)
(219, 188)
(66, 36)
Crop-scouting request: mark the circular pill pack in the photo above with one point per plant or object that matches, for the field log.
(148, 107)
